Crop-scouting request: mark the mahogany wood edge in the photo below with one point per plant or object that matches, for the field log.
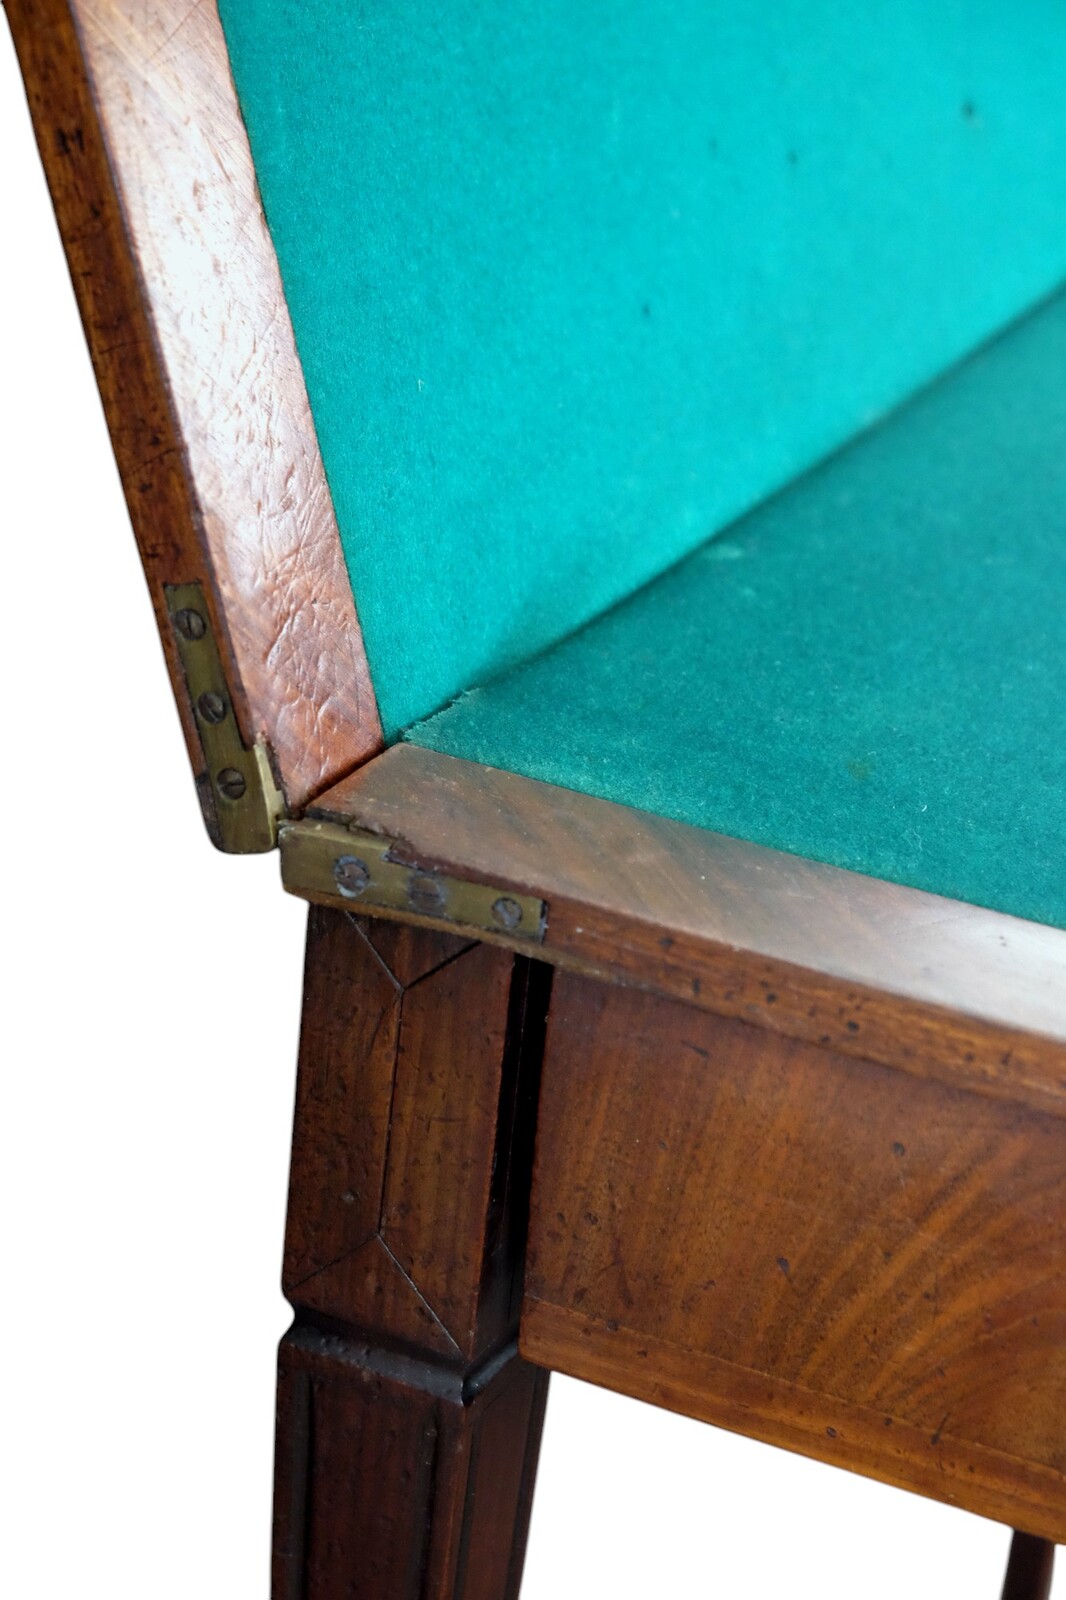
(893, 975)
(837, 1432)
(151, 177)
(876, 1046)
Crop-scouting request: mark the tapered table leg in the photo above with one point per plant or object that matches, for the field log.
(1029, 1568)
(408, 1426)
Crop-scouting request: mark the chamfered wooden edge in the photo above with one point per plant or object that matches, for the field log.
(152, 179)
(932, 986)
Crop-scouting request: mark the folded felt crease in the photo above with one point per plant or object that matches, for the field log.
(868, 670)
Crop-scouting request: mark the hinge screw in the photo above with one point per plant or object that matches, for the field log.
(351, 876)
(507, 912)
(189, 623)
(232, 783)
(425, 893)
(212, 706)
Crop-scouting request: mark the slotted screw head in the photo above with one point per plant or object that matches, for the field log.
(212, 706)
(424, 892)
(231, 783)
(507, 912)
(189, 623)
(351, 876)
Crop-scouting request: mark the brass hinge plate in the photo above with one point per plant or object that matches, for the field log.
(247, 803)
(349, 867)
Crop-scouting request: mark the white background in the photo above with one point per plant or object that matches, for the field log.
(151, 1019)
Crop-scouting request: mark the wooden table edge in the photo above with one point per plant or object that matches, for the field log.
(933, 987)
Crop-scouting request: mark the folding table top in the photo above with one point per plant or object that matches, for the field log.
(574, 291)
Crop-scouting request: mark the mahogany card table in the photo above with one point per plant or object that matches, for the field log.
(601, 477)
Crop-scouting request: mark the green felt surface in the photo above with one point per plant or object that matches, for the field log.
(574, 284)
(868, 670)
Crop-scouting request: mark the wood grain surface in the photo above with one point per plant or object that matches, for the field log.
(821, 1252)
(412, 1144)
(935, 987)
(152, 180)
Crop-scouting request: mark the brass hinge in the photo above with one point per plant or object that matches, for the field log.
(346, 866)
(247, 803)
